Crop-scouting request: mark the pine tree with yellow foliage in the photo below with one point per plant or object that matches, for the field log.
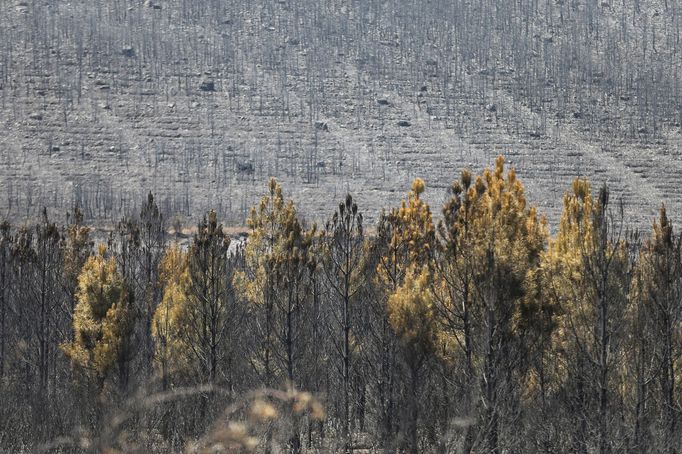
(169, 321)
(588, 276)
(490, 244)
(403, 250)
(277, 279)
(194, 326)
(102, 321)
(657, 296)
(411, 316)
(256, 280)
(405, 236)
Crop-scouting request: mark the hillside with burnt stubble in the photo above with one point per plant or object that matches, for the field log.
(200, 102)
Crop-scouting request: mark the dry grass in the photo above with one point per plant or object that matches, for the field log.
(247, 424)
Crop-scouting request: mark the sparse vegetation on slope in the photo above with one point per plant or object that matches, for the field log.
(201, 101)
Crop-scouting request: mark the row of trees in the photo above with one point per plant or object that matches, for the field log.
(477, 333)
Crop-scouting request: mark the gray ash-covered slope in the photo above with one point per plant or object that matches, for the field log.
(201, 101)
